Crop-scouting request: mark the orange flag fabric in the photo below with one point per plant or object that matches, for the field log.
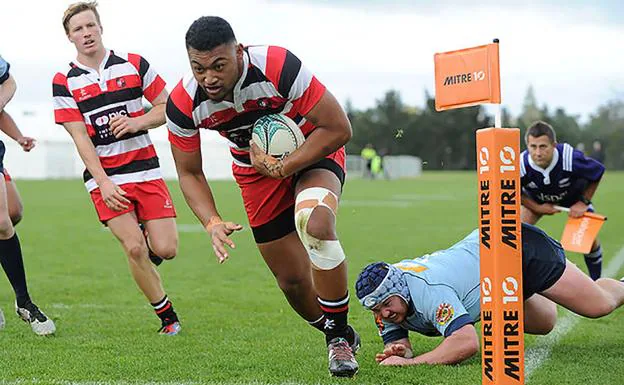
(467, 77)
(579, 233)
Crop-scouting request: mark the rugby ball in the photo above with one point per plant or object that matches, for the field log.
(277, 135)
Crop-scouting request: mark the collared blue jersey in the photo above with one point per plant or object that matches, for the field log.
(564, 180)
(444, 291)
(4, 70)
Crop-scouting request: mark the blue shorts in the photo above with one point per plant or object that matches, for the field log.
(543, 260)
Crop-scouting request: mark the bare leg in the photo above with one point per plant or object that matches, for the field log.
(578, 293)
(163, 237)
(16, 208)
(6, 227)
(328, 261)
(125, 228)
(13, 265)
(289, 263)
(330, 284)
(540, 315)
(10, 250)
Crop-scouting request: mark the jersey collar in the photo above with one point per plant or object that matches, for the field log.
(101, 66)
(545, 172)
(238, 102)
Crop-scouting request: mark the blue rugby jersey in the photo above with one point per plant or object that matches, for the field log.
(564, 180)
(444, 291)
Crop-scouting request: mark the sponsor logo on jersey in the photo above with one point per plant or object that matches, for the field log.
(210, 122)
(263, 103)
(444, 313)
(101, 120)
(84, 94)
(565, 182)
(553, 198)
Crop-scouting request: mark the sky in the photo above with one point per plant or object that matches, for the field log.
(569, 51)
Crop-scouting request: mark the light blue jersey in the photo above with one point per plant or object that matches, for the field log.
(444, 291)
(4, 70)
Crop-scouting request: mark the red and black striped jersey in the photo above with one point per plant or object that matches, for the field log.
(273, 81)
(83, 94)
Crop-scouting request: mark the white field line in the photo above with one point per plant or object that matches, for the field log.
(425, 198)
(540, 351)
(375, 203)
(400, 201)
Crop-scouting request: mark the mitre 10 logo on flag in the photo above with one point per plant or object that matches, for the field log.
(467, 77)
(579, 233)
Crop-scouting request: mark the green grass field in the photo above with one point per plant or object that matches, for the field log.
(237, 326)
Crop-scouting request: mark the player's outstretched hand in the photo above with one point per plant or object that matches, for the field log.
(121, 125)
(113, 196)
(391, 350)
(220, 232)
(27, 143)
(266, 164)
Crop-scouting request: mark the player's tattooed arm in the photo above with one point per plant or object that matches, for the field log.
(273, 167)
(266, 164)
(332, 131)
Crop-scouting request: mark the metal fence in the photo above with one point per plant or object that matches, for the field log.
(394, 167)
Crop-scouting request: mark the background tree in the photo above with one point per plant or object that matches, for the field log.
(446, 140)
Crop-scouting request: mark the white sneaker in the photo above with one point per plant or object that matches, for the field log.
(2, 323)
(38, 321)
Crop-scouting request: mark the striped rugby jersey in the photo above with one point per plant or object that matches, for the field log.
(564, 180)
(82, 94)
(273, 81)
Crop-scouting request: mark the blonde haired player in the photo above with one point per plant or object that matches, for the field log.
(98, 99)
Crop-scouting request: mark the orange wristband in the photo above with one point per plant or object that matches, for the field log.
(214, 220)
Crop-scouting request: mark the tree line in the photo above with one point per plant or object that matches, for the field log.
(446, 140)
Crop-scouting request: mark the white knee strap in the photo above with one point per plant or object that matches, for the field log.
(325, 255)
